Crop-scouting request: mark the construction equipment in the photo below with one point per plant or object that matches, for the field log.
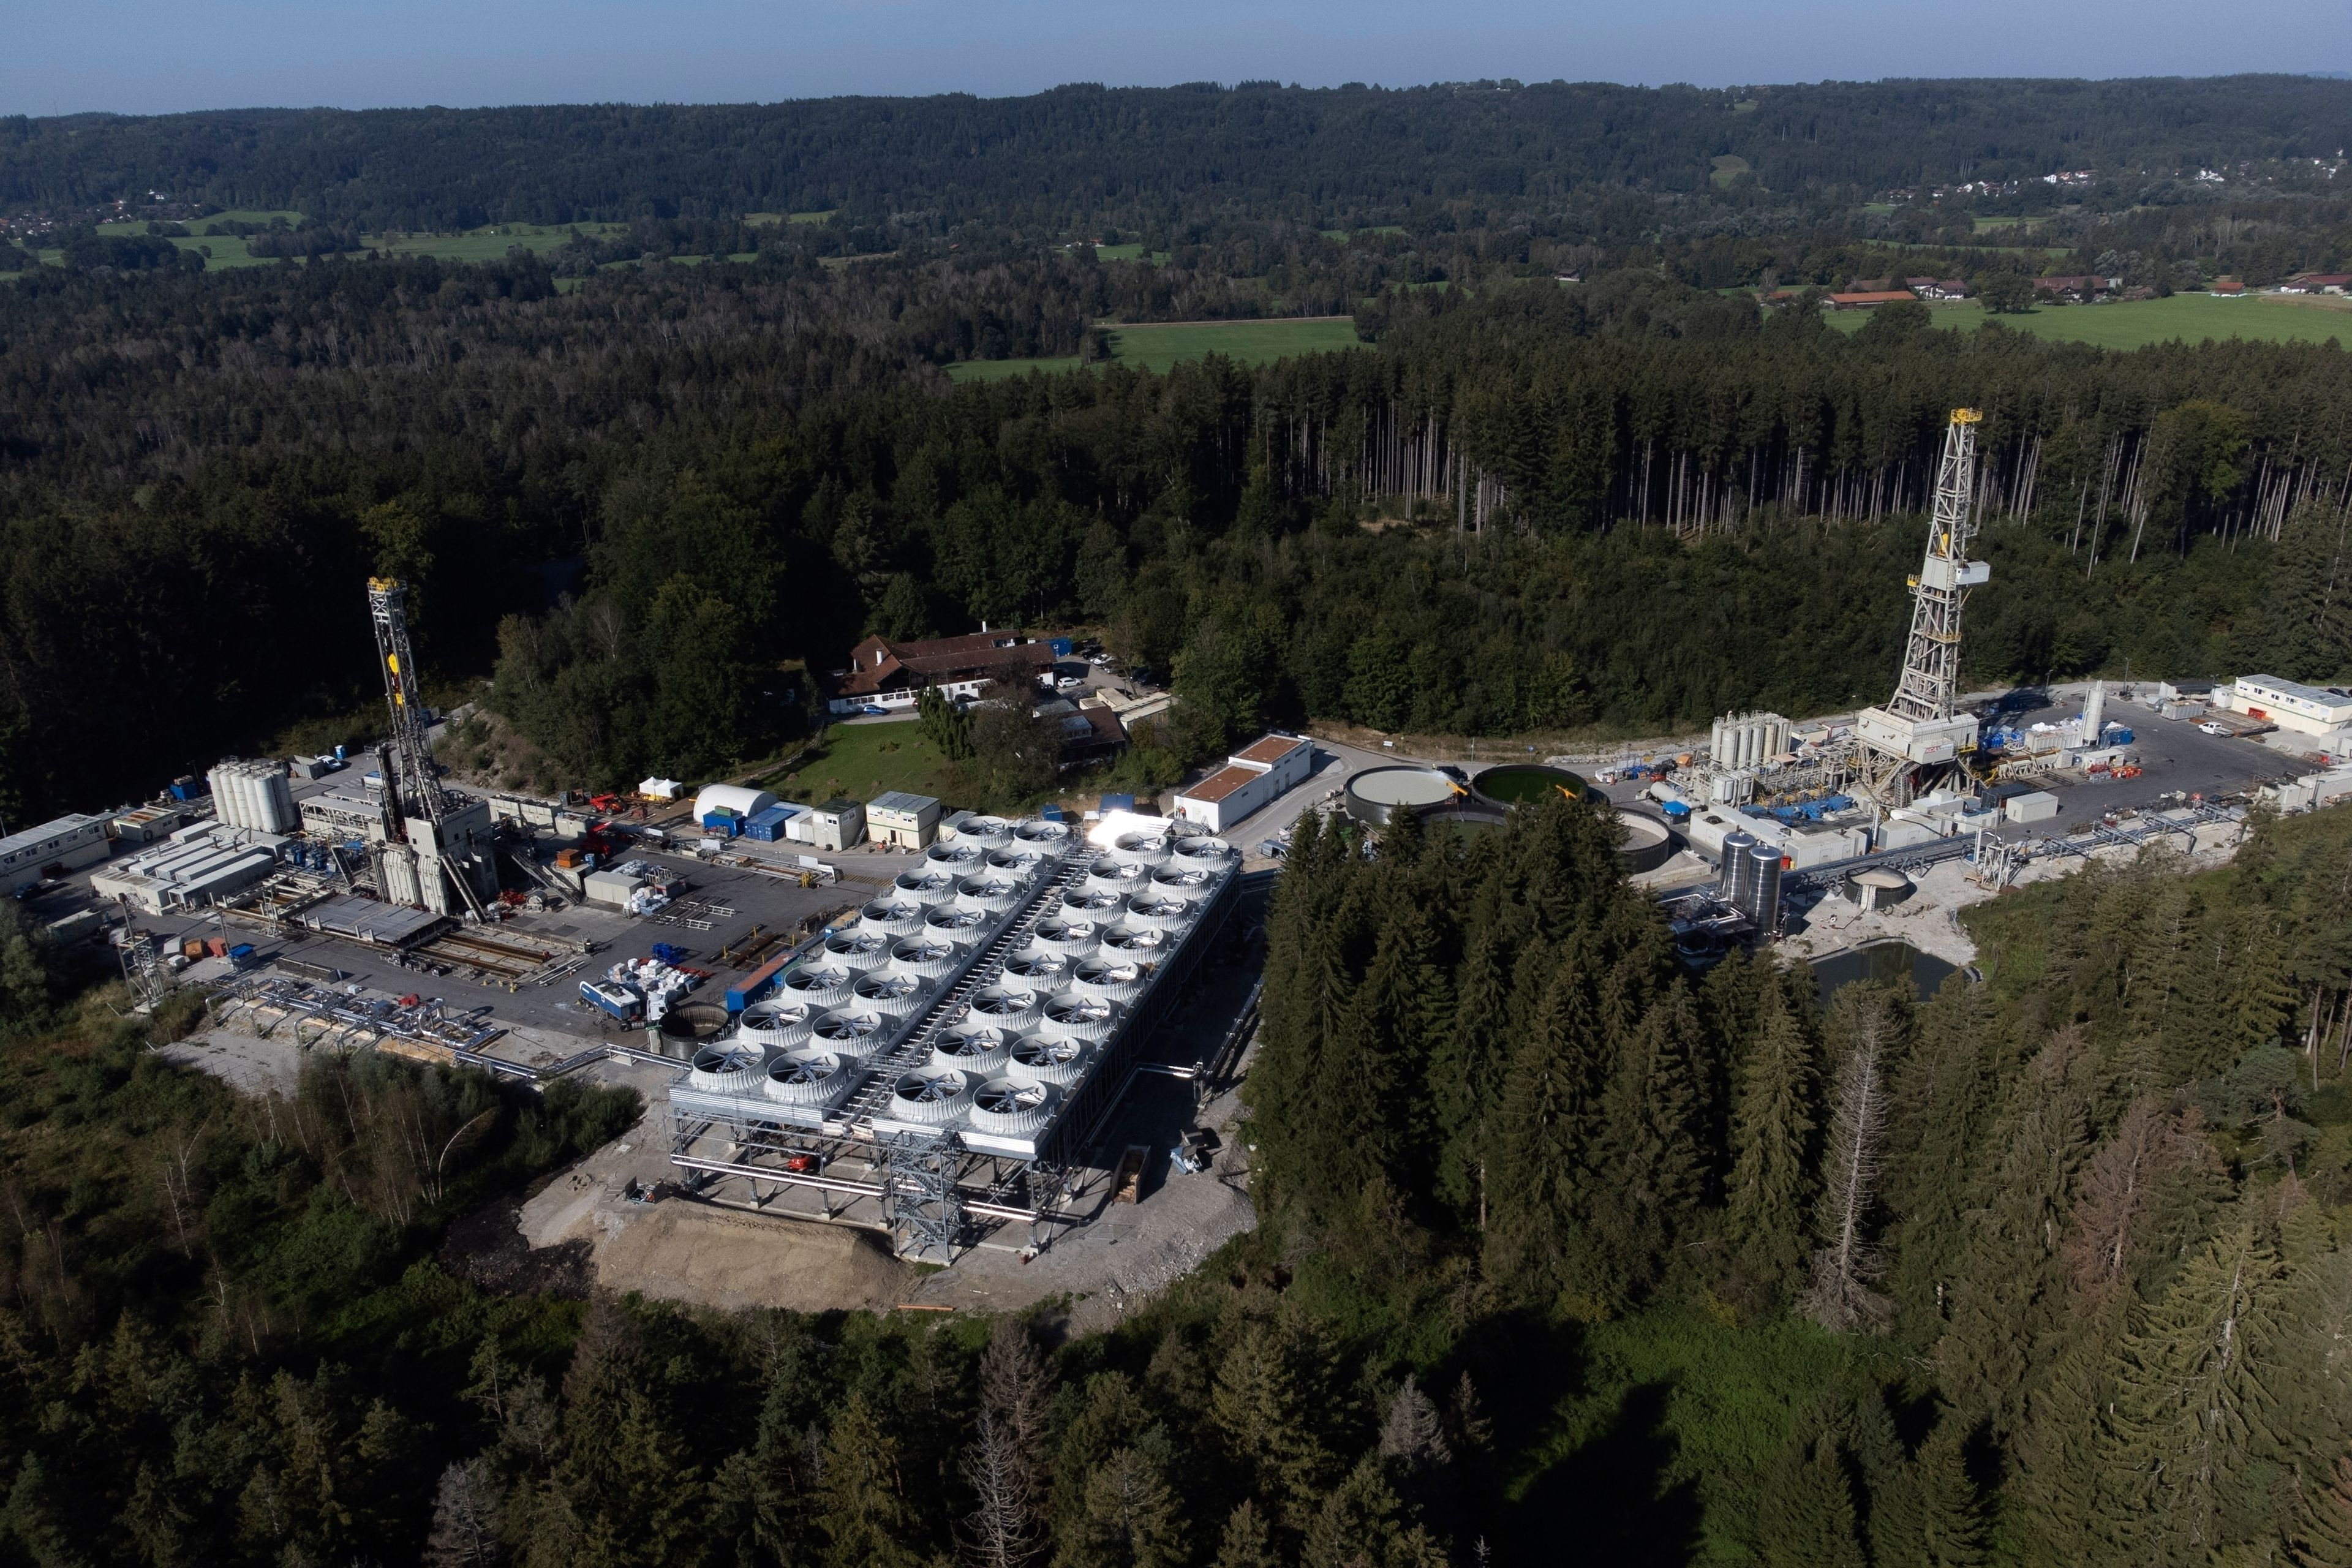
(1906, 745)
(434, 843)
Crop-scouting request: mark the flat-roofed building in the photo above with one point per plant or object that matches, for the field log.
(2290, 705)
(902, 820)
(69, 841)
(1251, 779)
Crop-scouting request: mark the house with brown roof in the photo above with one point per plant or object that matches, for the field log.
(892, 675)
(1869, 299)
(1250, 778)
(2317, 283)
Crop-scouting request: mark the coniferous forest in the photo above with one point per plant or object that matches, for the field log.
(1563, 1251)
(2045, 1268)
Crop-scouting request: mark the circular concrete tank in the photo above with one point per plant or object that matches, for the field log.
(1531, 783)
(1375, 793)
(1649, 842)
(1879, 888)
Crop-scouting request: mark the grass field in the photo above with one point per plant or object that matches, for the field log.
(1158, 346)
(2135, 323)
(1727, 168)
(860, 761)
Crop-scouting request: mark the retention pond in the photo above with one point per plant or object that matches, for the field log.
(1883, 962)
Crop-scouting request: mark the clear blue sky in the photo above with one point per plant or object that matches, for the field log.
(153, 56)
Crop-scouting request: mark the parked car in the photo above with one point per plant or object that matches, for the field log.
(2211, 728)
(875, 711)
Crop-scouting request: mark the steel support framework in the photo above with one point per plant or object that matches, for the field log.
(931, 1193)
(1929, 684)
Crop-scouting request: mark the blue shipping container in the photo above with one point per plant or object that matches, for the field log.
(1119, 802)
(723, 823)
(2118, 735)
(1051, 813)
(767, 827)
(1061, 646)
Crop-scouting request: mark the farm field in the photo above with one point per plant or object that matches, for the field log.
(2135, 323)
(1156, 347)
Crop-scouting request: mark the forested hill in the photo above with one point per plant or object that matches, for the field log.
(1082, 154)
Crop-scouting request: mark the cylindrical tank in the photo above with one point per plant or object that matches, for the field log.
(697, 1021)
(278, 793)
(1879, 888)
(1729, 877)
(1764, 886)
(1648, 844)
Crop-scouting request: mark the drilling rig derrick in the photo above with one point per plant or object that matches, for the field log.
(1904, 747)
(438, 849)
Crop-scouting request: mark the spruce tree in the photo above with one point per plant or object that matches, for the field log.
(862, 1505)
(1466, 1066)
(1130, 1518)
(1847, 1261)
(2008, 1287)
(1656, 1164)
(1773, 1142)
(2303, 629)
(2322, 1522)
(1247, 1543)
(1540, 1237)
(1265, 1402)
(1942, 1097)
(2186, 1392)
(2061, 1504)
(1806, 1517)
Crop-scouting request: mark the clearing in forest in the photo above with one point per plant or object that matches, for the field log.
(2135, 323)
